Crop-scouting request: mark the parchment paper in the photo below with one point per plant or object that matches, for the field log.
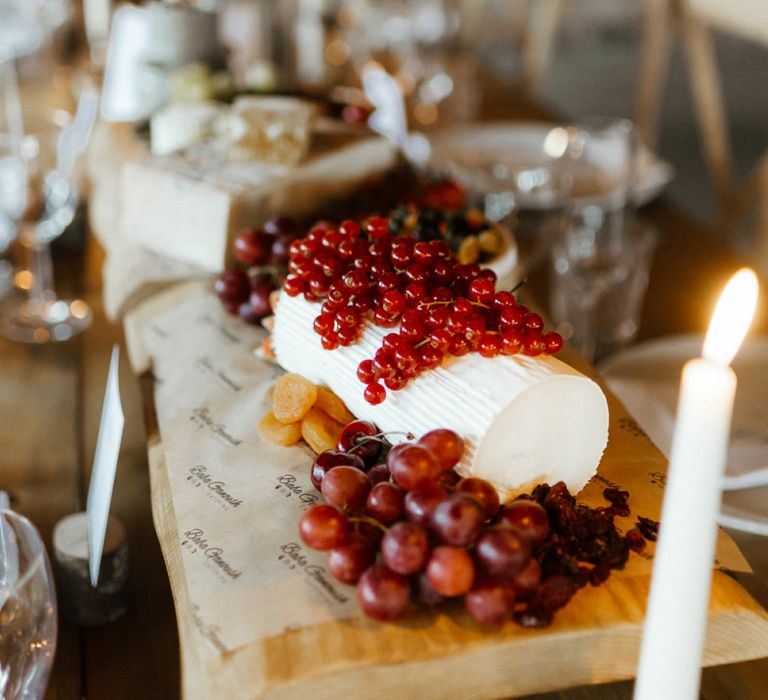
(237, 500)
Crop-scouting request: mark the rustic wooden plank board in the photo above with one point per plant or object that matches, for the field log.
(594, 640)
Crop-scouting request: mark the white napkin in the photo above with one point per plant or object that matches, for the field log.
(646, 378)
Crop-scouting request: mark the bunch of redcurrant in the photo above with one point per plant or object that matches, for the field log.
(361, 273)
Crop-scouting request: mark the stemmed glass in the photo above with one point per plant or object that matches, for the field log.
(28, 619)
(48, 154)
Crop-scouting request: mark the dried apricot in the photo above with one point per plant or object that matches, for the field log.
(274, 432)
(330, 403)
(320, 430)
(293, 397)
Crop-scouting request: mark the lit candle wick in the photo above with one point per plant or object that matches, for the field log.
(731, 319)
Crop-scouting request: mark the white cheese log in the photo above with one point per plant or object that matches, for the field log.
(525, 420)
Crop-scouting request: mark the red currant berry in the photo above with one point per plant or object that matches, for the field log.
(511, 317)
(553, 343)
(374, 393)
(533, 344)
(366, 372)
(393, 302)
(481, 290)
(533, 321)
(459, 346)
(489, 345)
(503, 300)
(377, 227)
(350, 229)
(511, 342)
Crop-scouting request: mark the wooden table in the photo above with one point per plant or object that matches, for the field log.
(50, 399)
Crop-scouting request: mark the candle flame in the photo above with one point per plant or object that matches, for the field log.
(733, 314)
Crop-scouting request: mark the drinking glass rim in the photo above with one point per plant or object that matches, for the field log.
(39, 559)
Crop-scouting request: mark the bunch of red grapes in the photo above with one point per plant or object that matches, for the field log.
(405, 528)
(263, 253)
(438, 306)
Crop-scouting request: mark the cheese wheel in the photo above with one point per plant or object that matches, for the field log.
(525, 420)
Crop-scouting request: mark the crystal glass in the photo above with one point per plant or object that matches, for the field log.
(601, 261)
(28, 620)
(52, 143)
(599, 278)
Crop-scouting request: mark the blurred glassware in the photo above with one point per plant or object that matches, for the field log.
(416, 41)
(522, 183)
(28, 618)
(604, 151)
(599, 279)
(51, 145)
(601, 261)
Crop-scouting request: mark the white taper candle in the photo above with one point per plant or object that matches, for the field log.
(676, 619)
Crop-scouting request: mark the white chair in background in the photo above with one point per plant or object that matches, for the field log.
(696, 21)
(531, 24)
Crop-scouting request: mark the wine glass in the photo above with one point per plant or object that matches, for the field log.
(13, 171)
(53, 145)
(28, 618)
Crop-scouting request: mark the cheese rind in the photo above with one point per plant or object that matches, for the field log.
(525, 420)
(190, 205)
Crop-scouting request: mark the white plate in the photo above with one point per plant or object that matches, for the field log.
(646, 378)
(524, 142)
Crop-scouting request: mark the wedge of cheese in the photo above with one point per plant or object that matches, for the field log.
(189, 205)
(525, 420)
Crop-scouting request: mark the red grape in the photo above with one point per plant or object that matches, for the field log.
(352, 438)
(424, 592)
(346, 488)
(281, 225)
(253, 247)
(382, 593)
(446, 445)
(233, 286)
(421, 504)
(490, 602)
(351, 558)
(378, 474)
(501, 552)
(529, 518)
(332, 458)
(323, 527)
(386, 502)
(450, 571)
(405, 548)
(482, 492)
(413, 467)
(458, 520)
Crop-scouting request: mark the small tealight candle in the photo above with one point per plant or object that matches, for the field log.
(676, 618)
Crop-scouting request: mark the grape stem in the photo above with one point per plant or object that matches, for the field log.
(379, 437)
(370, 521)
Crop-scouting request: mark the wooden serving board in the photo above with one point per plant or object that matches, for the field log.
(595, 639)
